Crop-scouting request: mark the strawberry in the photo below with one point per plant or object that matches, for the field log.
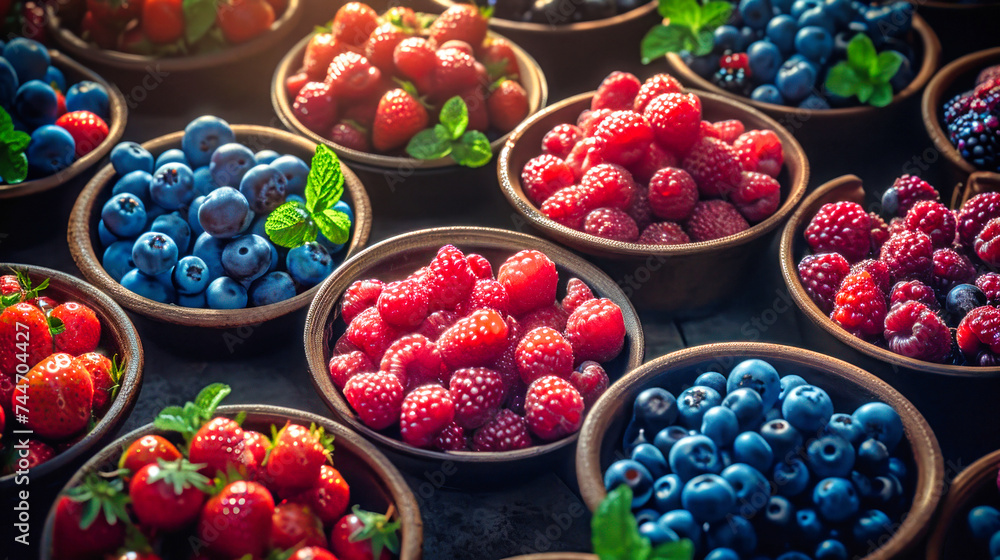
(414, 360)
(257, 443)
(543, 351)
(220, 445)
(82, 329)
(36, 453)
(530, 279)
(398, 118)
(715, 167)
(591, 380)
(500, 60)
(363, 535)
(86, 128)
(450, 280)
(505, 432)
(382, 43)
(354, 23)
(349, 135)
(147, 450)
(25, 339)
(376, 398)
(553, 408)
(242, 20)
(425, 412)
(320, 50)
(359, 296)
(58, 394)
(345, 366)
(315, 107)
(9, 285)
(616, 92)
(475, 340)
(237, 521)
(403, 17)
(168, 495)
(294, 460)
(105, 375)
(90, 519)
(596, 330)
(403, 304)
(328, 498)
(312, 553)
(461, 22)
(454, 72)
(576, 293)
(370, 333)
(477, 394)
(294, 83)
(351, 76)
(295, 526)
(675, 119)
(415, 58)
(654, 87)
(507, 105)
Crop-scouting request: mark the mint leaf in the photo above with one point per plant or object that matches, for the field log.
(430, 143)
(715, 13)
(334, 224)
(888, 64)
(861, 54)
(199, 17)
(704, 43)
(6, 123)
(680, 550)
(865, 91)
(290, 225)
(17, 141)
(681, 12)
(842, 80)
(472, 150)
(613, 528)
(13, 166)
(881, 96)
(455, 117)
(325, 183)
(171, 419)
(208, 399)
(661, 40)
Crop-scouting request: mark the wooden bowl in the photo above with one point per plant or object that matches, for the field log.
(361, 465)
(74, 72)
(118, 337)
(698, 274)
(556, 556)
(69, 41)
(396, 258)
(974, 486)
(532, 79)
(793, 247)
(87, 212)
(848, 386)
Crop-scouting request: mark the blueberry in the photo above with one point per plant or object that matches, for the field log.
(226, 293)
(209, 250)
(201, 138)
(755, 13)
(229, 164)
(960, 300)
(815, 43)
(633, 475)
(694, 455)
(176, 227)
(788, 383)
(840, 10)
(117, 259)
(154, 253)
(795, 80)
(86, 95)
(692, 404)
(654, 409)
(816, 17)
(836, 499)
(890, 201)
(154, 211)
(55, 78)
(897, 468)
(721, 425)
(903, 76)
(781, 31)
(984, 521)
(751, 448)
(8, 84)
(51, 149)
(995, 545)
(265, 156)
(172, 186)
(723, 554)
(765, 59)
(871, 525)
(650, 457)
(757, 375)
(246, 258)
(644, 515)
(748, 406)
(192, 216)
(681, 521)
(127, 157)
(704, 66)
(862, 483)
(657, 534)
(779, 515)
(708, 497)
(135, 182)
(726, 38)
(203, 182)
(800, 6)
(295, 171)
(30, 59)
(667, 492)
(191, 275)
(889, 21)
(873, 458)
(197, 301)
(748, 35)
(712, 379)
(830, 549)
(808, 408)
(634, 434)
(35, 104)
(767, 93)
(782, 437)
(791, 477)
(103, 235)
(124, 215)
(880, 421)
(665, 439)
(809, 528)
(224, 213)
(886, 490)
(845, 426)
(782, 6)
(272, 288)
(751, 487)
(831, 456)
(172, 155)
(793, 555)
(147, 286)
(275, 259)
(309, 264)
(734, 533)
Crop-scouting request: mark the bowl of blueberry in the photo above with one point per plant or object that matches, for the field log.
(218, 226)
(57, 118)
(970, 514)
(764, 449)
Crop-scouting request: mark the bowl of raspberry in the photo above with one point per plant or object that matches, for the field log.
(70, 372)
(458, 348)
(969, 516)
(658, 184)
(764, 449)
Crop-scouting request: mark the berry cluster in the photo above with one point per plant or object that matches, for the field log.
(984, 526)
(642, 166)
(461, 360)
(922, 285)
(54, 381)
(972, 120)
(232, 491)
(754, 464)
(553, 12)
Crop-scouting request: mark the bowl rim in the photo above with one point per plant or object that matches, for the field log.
(933, 97)
(923, 442)
(406, 503)
(534, 27)
(538, 97)
(509, 177)
(325, 309)
(83, 253)
(131, 381)
(118, 110)
(962, 489)
(836, 189)
(72, 42)
(931, 59)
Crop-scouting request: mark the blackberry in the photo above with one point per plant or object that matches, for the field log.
(956, 106)
(733, 80)
(977, 138)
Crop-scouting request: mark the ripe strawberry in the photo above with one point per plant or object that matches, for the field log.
(611, 223)
(905, 192)
(821, 276)
(568, 206)
(354, 23)
(82, 534)
(609, 185)
(147, 450)
(414, 360)
(237, 521)
(675, 119)
(596, 330)
(320, 50)
(654, 87)
(487, 294)
(58, 394)
(543, 351)
(294, 526)
(542, 176)
(359, 296)
(315, 107)
(978, 335)
(576, 293)
(258, 444)
(480, 266)
(363, 535)
(760, 151)
(840, 227)
(86, 128)
(505, 432)
(757, 196)
(913, 330)
(349, 135)
(664, 233)
(415, 58)
(975, 213)
(672, 194)
(329, 498)
(24, 337)
(714, 219)
(507, 105)
(376, 398)
(553, 408)
(590, 380)
(371, 334)
(162, 22)
(9, 284)
(242, 20)
(616, 92)
(105, 375)
(220, 446)
(477, 394)
(655, 158)
(426, 411)
(909, 256)
(381, 45)
(934, 219)
(950, 269)
(403, 304)
(475, 340)
(530, 279)
(451, 438)
(714, 166)
(398, 118)
(35, 453)
(499, 58)
(475, 103)
(454, 72)
(859, 306)
(351, 76)
(293, 462)
(626, 135)
(168, 495)
(82, 329)
(560, 140)
(402, 16)
(461, 22)
(552, 316)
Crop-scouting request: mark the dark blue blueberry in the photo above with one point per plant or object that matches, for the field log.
(230, 163)
(808, 408)
(800, 6)
(873, 458)
(127, 157)
(751, 487)
(816, 17)
(755, 13)
(35, 104)
(712, 379)
(882, 422)
(295, 171)
(224, 213)
(634, 435)
(831, 549)
(960, 300)
(124, 215)
(202, 136)
(831, 456)
(86, 95)
(734, 533)
(795, 80)
(767, 93)
(903, 77)
(117, 259)
(721, 425)
(266, 156)
(657, 534)
(785, 441)
(809, 528)
(726, 38)
(708, 497)
(723, 554)
(226, 293)
(209, 249)
(650, 457)
(757, 375)
(51, 149)
(154, 253)
(845, 426)
(172, 155)
(752, 449)
(633, 475)
(890, 201)
(148, 286)
(870, 526)
(172, 186)
(8, 85)
(765, 59)
(30, 59)
(135, 182)
(693, 403)
(191, 275)
(791, 477)
(694, 455)
(781, 31)
(264, 187)
(886, 491)
(748, 406)
(246, 258)
(654, 409)
(681, 521)
(271, 288)
(667, 492)
(665, 439)
(104, 236)
(836, 499)
(203, 182)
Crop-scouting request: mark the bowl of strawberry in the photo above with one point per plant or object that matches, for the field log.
(969, 516)
(659, 184)
(174, 36)
(204, 481)
(749, 449)
(455, 345)
(407, 90)
(57, 118)
(70, 371)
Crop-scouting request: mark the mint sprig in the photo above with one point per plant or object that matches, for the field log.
(470, 148)
(688, 26)
(865, 74)
(13, 143)
(188, 419)
(615, 535)
(293, 224)
(199, 17)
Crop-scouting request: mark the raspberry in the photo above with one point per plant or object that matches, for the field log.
(879, 232)
(474, 340)
(908, 255)
(403, 304)
(561, 139)
(586, 154)
(505, 364)
(610, 186)
(675, 119)
(757, 196)
(576, 293)
(425, 413)
(611, 223)
(478, 394)
(859, 306)
(451, 438)
(989, 283)
(626, 135)
(639, 210)
(553, 316)
(543, 351)
(653, 88)
(480, 266)
(728, 131)
(714, 166)
(543, 176)
(672, 194)
(589, 119)
(505, 432)
(896, 225)
(714, 219)
(840, 227)
(979, 332)
(879, 272)
(664, 233)
(567, 206)
(760, 151)
(654, 159)
(553, 408)
(616, 92)
(487, 294)
(913, 330)
(376, 397)
(449, 279)
(950, 269)
(934, 219)
(414, 360)
(974, 214)
(436, 323)
(821, 276)
(912, 290)
(591, 380)
(344, 346)
(371, 334)
(345, 366)
(359, 296)
(530, 279)
(596, 330)
(906, 191)
(987, 244)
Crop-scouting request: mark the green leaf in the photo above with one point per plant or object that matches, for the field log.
(861, 54)
(888, 64)
(715, 13)
(290, 225)
(6, 123)
(325, 183)
(455, 117)
(13, 166)
(334, 224)
(430, 143)
(613, 529)
(704, 43)
(199, 17)
(208, 399)
(680, 550)
(881, 96)
(865, 91)
(661, 40)
(472, 150)
(842, 80)
(17, 141)
(172, 419)
(681, 12)
(56, 326)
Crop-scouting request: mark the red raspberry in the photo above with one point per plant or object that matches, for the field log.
(359, 296)
(626, 135)
(728, 131)
(896, 225)
(910, 190)
(915, 331)
(610, 186)
(505, 432)
(821, 276)
(415, 361)
(840, 227)
(505, 364)
(589, 119)
(530, 279)
(561, 139)
(714, 219)
(591, 380)
(403, 304)
(586, 154)
(552, 316)
(879, 232)
(567, 206)
(913, 290)
(653, 88)
(908, 255)
(544, 175)
(553, 408)
(596, 330)
(616, 92)
(480, 266)
(760, 151)
(675, 119)
(974, 214)
(346, 366)
(979, 332)
(879, 272)
(987, 244)
(436, 323)
(859, 306)
(315, 108)
(989, 283)
(449, 280)
(451, 438)
(757, 196)
(950, 269)
(576, 293)
(639, 209)
(934, 219)
(350, 136)
(426, 412)
(344, 346)
(611, 223)
(543, 351)
(664, 233)
(672, 194)
(714, 166)
(474, 340)
(478, 394)
(487, 294)
(376, 397)
(371, 334)
(735, 61)
(654, 159)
